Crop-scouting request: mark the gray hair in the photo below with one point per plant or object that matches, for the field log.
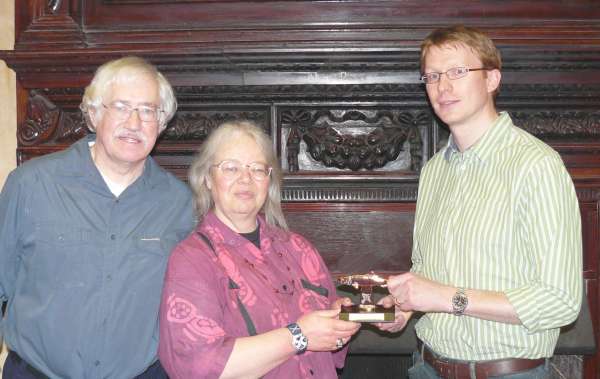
(120, 71)
(204, 159)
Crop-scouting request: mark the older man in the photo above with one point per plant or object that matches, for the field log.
(497, 250)
(85, 235)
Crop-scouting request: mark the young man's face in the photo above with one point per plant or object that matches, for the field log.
(466, 102)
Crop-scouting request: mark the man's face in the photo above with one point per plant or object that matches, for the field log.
(466, 102)
(127, 142)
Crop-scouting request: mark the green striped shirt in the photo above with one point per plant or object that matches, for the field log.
(501, 216)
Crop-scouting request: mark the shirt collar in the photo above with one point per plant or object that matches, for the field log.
(233, 238)
(496, 138)
(82, 165)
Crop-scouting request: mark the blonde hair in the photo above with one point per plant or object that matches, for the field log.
(473, 38)
(123, 70)
(204, 159)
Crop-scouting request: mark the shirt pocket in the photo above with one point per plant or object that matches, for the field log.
(60, 256)
(159, 245)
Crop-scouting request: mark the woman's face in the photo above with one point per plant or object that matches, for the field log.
(238, 199)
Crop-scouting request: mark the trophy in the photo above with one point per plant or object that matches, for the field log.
(366, 311)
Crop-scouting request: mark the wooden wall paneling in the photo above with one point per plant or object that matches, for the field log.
(590, 214)
(336, 85)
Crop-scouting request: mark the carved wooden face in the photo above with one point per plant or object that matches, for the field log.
(238, 200)
(126, 142)
(466, 103)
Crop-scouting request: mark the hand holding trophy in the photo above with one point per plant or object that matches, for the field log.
(366, 311)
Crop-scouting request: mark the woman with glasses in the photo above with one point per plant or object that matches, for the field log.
(243, 296)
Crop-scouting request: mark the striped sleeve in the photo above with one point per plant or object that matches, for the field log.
(551, 234)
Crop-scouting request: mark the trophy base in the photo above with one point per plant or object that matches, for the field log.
(367, 313)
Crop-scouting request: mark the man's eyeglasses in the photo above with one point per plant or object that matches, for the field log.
(452, 74)
(122, 111)
(232, 169)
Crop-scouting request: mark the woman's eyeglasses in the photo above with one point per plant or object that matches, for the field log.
(232, 169)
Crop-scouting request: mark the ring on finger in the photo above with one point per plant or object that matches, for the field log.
(339, 343)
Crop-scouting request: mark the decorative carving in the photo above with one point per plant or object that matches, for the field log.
(196, 126)
(588, 194)
(548, 124)
(46, 123)
(355, 139)
(361, 192)
(54, 5)
(316, 92)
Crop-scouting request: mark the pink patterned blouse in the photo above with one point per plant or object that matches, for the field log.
(211, 298)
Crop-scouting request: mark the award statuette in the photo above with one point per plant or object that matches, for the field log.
(366, 311)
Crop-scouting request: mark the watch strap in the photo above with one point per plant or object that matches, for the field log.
(299, 340)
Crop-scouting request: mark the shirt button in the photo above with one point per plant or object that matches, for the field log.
(109, 277)
(97, 363)
(311, 371)
(113, 237)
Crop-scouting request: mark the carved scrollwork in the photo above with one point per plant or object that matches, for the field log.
(197, 125)
(548, 124)
(54, 5)
(46, 123)
(354, 139)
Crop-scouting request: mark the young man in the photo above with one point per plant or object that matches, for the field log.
(497, 251)
(85, 235)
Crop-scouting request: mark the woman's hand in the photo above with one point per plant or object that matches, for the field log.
(345, 301)
(323, 328)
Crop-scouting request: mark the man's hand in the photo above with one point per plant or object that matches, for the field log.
(400, 319)
(412, 292)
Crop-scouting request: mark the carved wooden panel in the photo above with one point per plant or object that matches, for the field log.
(352, 138)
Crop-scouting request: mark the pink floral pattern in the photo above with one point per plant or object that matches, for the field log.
(246, 293)
(279, 318)
(309, 300)
(201, 319)
(182, 311)
(311, 265)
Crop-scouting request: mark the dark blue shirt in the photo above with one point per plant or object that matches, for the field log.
(82, 270)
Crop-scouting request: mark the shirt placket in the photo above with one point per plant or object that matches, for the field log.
(456, 210)
(113, 246)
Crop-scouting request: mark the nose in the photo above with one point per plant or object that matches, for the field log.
(133, 121)
(245, 175)
(444, 83)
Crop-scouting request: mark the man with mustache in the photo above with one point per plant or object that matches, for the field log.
(85, 235)
(497, 249)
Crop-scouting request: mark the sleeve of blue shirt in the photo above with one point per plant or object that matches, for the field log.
(11, 208)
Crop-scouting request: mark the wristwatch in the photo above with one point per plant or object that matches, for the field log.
(459, 302)
(299, 340)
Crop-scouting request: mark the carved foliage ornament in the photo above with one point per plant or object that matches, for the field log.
(46, 123)
(352, 139)
(546, 124)
(197, 125)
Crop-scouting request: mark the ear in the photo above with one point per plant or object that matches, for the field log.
(208, 181)
(94, 116)
(493, 80)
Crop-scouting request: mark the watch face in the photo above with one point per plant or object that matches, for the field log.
(299, 340)
(459, 302)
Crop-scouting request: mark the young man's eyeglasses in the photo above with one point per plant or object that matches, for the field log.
(232, 169)
(452, 74)
(122, 111)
